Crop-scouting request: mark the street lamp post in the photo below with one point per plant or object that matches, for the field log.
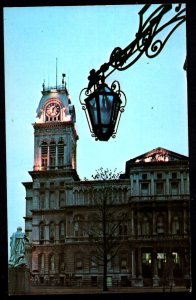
(103, 105)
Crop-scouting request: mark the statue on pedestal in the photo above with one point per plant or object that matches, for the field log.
(17, 249)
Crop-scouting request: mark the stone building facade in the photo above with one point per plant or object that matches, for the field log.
(154, 243)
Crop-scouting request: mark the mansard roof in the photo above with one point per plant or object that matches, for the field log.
(155, 157)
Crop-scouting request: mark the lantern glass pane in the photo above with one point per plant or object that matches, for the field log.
(93, 111)
(115, 111)
(106, 103)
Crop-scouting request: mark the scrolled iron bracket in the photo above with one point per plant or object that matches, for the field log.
(146, 40)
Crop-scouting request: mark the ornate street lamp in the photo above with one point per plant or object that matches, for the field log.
(103, 108)
(103, 105)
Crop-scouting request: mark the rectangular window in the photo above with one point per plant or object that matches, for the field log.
(52, 200)
(174, 175)
(123, 263)
(93, 262)
(44, 162)
(144, 189)
(79, 264)
(144, 176)
(42, 200)
(174, 188)
(52, 162)
(60, 154)
(159, 188)
(61, 262)
(62, 231)
(62, 198)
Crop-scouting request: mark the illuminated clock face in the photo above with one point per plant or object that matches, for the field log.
(52, 109)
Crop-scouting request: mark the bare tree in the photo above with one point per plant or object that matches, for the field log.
(108, 218)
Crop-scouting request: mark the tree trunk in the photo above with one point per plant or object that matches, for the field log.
(105, 288)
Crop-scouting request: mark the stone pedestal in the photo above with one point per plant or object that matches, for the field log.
(156, 281)
(18, 281)
(137, 282)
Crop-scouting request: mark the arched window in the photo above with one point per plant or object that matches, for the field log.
(62, 230)
(78, 262)
(175, 225)
(52, 232)
(93, 263)
(93, 224)
(123, 261)
(160, 225)
(52, 262)
(61, 262)
(76, 197)
(145, 226)
(60, 154)
(78, 224)
(41, 262)
(44, 154)
(52, 148)
(41, 232)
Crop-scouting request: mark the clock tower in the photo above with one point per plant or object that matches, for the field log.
(55, 136)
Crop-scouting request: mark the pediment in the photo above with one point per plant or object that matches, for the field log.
(158, 155)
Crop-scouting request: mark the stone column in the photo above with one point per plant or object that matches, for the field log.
(132, 223)
(169, 220)
(47, 233)
(68, 151)
(167, 188)
(36, 199)
(182, 183)
(56, 199)
(156, 278)
(152, 192)
(154, 230)
(137, 186)
(138, 224)
(133, 268)
(56, 160)
(47, 199)
(184, 227)
(57, 233)
(48, 158)
(139, 263)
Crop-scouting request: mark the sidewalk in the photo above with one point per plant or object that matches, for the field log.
(53, 290)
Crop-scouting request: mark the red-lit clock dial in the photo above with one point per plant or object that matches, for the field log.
(52, 109)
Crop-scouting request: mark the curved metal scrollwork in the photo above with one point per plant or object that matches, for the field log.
(115, 87)
(147, 40)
